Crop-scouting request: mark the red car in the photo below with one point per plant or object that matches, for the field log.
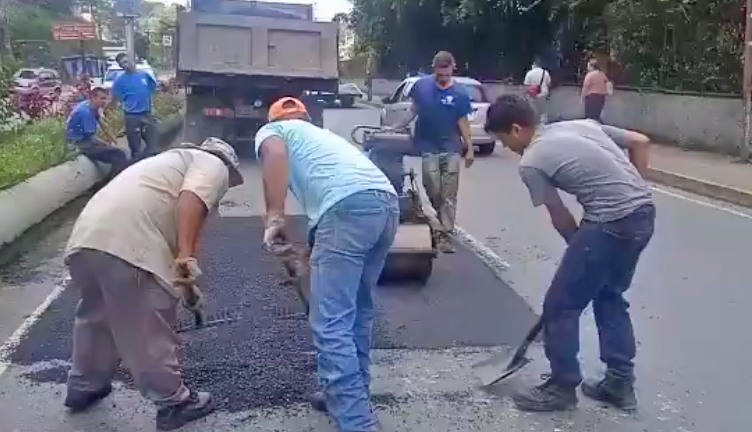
(45, 82)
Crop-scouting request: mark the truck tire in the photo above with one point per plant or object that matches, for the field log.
(347, 101)
(486, 149)
(315, 110)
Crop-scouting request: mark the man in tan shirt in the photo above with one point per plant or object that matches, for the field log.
(131, 253)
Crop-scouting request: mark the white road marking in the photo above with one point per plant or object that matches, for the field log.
(702, 203)
(9, 347)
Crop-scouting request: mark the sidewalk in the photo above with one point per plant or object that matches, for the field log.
(702, 173)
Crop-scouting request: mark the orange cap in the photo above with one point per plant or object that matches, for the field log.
(286, 106)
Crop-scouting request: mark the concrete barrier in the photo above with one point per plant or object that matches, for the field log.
(28, 203)
(694, 121)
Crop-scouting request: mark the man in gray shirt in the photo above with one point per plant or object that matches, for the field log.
(588, 160)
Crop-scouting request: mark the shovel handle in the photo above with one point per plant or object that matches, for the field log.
(521, 351)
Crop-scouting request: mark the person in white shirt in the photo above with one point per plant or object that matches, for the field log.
(538, 88)
(131, 255)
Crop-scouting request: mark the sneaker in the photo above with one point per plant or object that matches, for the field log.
(547, 397)
(446, 246)
(197, 406)
(78, 401)
(620, 394)
(318, 402)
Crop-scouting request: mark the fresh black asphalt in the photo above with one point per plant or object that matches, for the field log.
(264, 358)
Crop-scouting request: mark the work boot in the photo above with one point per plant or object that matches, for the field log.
(547, 397)
(445, 245)
(612, 391)
(78, 401)
(318, 402)
(197, 406)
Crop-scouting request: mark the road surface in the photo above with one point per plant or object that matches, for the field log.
(689, 302)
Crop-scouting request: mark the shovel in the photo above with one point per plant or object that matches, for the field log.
(295, 267)
(502, 366)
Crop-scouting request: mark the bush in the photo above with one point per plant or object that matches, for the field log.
(33, 147)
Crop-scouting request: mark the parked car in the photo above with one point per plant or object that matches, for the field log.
(43, 81)
(397, 104)
(115, 70)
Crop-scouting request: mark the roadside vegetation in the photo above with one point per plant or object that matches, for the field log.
(33, 139)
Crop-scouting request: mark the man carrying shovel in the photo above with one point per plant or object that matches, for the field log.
(353, 212)
(585, 159)
(132, 254)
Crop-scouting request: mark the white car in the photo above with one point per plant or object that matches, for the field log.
(398, 104)
(115, 70)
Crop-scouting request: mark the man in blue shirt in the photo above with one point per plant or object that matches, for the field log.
(353, 213)
(81, 131)
(442, 135)
(134, 90)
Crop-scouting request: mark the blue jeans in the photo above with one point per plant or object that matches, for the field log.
(350, 245)
(598, 266)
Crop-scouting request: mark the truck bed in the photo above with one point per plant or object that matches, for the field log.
(258, 46)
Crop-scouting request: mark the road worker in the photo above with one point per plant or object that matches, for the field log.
(586, 159)
(353, 213)
(442, 135)
(132, 254)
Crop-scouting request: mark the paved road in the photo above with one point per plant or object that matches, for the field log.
(689, 302)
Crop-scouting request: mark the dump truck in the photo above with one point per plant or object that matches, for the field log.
(235, 58)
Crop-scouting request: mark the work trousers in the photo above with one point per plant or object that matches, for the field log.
(100, 151)
(350, 245)
(597, 267)
(441, 179)
(124, 314)
(140, 127)
(594, 104)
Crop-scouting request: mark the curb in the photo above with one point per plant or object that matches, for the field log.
(28, 203)
(702, 187)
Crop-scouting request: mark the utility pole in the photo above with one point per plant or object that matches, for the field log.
(744, 149)
(130, 38)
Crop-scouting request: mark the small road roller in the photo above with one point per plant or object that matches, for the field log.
(411, 257)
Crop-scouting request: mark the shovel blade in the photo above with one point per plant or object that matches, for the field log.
(498, 367)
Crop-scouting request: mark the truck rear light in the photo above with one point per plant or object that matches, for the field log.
(217, 112)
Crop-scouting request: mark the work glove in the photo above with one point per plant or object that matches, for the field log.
(187, 273)
(276, 238)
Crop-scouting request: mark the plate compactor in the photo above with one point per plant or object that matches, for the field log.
(411, 257)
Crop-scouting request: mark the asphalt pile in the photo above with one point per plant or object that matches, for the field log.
(262, 356)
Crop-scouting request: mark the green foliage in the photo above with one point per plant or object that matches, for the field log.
(677, 44)
(682, 45)
(490, 39)
(30, 22)
(32, 149)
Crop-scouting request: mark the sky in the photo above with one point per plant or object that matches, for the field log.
(322, 9)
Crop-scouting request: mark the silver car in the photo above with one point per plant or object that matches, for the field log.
(397, 105)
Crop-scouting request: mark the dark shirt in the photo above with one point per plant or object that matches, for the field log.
(439, 111)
